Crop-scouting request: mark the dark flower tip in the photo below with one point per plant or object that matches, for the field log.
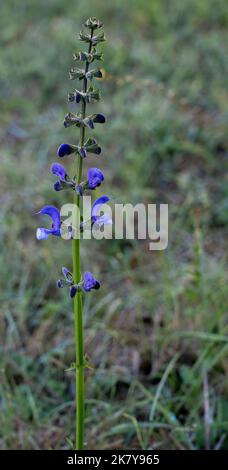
(58, 186)
(64, 149)
(59, 284)
(73, 291)
(100, 118)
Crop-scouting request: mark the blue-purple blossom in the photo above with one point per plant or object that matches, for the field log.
(54, 214)
(94, 118)
(89, 282)
(58, 186)
(67, 282)
(99, 74)
(65, 149)
(59, 284)
(99, 118)
(100, 219)
(59, 171)
(73, 291)
(78, 97)
(95, 178)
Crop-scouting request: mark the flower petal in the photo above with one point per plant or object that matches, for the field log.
(43, 233)
(73, 291)
(54, 213)
(64, 149)
(100, 118)
(97, 205)
(59, 170)
(58, 186)
(103, 220)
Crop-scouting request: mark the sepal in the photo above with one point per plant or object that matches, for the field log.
(94, 73)
(89, 57)
(92, 146)
(76, 73)
(73, 120)
(94, 40)
(94, 118)
(91, 95)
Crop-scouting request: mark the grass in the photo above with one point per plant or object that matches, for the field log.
(156, 333)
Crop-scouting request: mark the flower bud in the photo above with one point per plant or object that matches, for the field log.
(73, 291)
(58, 186)
(93, 23)
(99, 118)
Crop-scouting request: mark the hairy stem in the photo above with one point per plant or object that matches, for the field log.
(78, 313)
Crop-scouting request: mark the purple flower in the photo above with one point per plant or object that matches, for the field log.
(58, 186)
(54, 214)
(67, 282)
(73, 291)
(66, 123)
(59, 171)
(65, 149)
(94, 118)
(99, 118)
(89, 282)
(67, 275)
(78, 96)
(95, 177)
(100, 219)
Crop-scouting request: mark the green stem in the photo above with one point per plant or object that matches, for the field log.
(78, 313)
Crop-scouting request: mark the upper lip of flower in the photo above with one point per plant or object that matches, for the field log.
(64, 149)
(59, 170)
(100, 219)
(95, 177)
(97, 205)
(89, 282)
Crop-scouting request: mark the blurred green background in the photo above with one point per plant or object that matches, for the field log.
(156, 333)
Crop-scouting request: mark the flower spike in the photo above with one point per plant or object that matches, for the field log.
(76, 283)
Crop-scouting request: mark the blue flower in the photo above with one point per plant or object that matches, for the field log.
(99, 74)
(59, 283)
(59, 171)
(58, 186)
(89, 282)
(54, 214)
(73, 291)
(99, 118)
(100, 219)
(94, 118)
(65, 149)
(67, 282)
(95, 178)
(78, 96)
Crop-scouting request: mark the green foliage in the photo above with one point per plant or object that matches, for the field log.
(165, 99)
